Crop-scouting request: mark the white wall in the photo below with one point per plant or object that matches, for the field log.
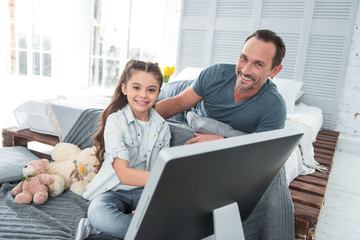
(348, 119)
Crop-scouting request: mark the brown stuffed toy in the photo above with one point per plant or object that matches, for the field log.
(33, 187)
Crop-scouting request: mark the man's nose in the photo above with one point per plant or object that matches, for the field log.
(246, 69)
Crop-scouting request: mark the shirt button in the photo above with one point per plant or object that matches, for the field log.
(138, 134)
(149, 150)
(154, 135)
(160, 124)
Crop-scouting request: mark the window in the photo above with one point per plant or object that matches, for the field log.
(131, 29)
(87, 43)
(110, 37)
(30, 42)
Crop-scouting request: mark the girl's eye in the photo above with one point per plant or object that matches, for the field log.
(152, 90)
(136, 87)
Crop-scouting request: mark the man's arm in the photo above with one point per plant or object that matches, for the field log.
(183, 101)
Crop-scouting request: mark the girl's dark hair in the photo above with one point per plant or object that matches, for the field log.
(119, 100)
(266, 35)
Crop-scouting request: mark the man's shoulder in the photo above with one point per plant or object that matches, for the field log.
(271, 88)
(219, 71)
(222, 66)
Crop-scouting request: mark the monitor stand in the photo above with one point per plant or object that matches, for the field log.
(227, 223)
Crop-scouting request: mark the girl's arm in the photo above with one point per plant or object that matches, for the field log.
(129, 176)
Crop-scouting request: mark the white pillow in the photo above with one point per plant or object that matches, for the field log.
(290, 90)
(187, 74)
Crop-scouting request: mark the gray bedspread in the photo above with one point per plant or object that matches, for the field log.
(56, 219)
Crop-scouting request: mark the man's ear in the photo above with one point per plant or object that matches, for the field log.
(123, 88)
(275, 71)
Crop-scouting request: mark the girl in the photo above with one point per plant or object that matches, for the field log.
(130, 136)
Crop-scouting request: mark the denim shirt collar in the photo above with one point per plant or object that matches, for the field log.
(154, 116)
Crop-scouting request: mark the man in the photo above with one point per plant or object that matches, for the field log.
(244, 97)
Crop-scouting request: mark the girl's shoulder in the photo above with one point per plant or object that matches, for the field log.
(121, 115)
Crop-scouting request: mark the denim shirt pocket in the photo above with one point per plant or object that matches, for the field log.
(131, 142)
(159, 144)
(132, 145)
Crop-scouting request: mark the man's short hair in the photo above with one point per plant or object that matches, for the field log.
(266, 35)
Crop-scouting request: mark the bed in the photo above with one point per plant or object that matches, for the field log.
(60, 119)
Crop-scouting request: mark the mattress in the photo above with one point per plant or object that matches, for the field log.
(309, 120)
(57, 116)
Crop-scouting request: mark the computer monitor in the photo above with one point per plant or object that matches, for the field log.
(191, 184)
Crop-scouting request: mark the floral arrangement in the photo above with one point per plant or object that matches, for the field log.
(167, 73)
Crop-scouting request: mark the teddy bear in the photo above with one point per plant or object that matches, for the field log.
(71, 168)
(86, 162)
(33, 187)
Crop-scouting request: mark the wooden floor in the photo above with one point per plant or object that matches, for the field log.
(308, 191)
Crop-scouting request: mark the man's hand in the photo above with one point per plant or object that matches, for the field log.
(199, 137)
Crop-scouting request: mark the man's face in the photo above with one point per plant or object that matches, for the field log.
(254, 65)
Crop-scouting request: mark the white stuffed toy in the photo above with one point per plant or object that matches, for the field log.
(86, 163)
(71, 166)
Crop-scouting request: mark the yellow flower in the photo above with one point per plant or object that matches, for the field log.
(168, 72)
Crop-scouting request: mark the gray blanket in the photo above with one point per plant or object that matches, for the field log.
(82, 132)
(56, 219)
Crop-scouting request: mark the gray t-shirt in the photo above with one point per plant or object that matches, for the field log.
(264, 111)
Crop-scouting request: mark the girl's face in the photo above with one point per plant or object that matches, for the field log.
(141, 90)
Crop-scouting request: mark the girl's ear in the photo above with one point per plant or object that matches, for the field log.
(123, 88)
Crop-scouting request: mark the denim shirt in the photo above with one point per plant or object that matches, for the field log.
(122, 136)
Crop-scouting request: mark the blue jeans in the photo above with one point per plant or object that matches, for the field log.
(110, 212)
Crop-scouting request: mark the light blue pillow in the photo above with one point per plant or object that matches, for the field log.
(211, 126)
(12, 161)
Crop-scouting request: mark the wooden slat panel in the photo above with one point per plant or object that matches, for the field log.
(307, 199)
(319, 175)
(27, 136)
(329, 132)
(306, 213)
(324, 151)
(307, 188)
(323, 156)
(301, 228)
(312, 180)
(308, 191)
(324, 145)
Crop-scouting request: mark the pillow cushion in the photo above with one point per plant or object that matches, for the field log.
(12, 161)
(211, 126)
(187, 74)
(290, 90)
